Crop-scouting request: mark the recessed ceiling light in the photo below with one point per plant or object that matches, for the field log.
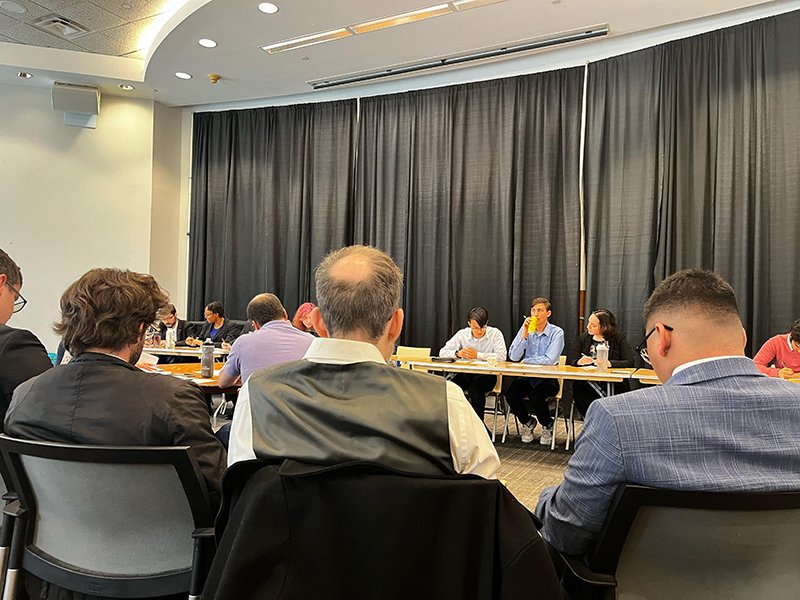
(410, 17)
(13, 7)
(126, 86)
(268, 8)
(206, 43)
(24, 75)
(182, 75)
(127, 6)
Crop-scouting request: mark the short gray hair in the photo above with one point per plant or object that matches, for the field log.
(363, 305)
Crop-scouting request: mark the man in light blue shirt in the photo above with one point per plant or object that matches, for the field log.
(540, 347)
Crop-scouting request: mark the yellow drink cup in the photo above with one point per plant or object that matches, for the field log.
(532, 327)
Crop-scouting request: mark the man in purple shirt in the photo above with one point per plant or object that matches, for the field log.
(274, 341)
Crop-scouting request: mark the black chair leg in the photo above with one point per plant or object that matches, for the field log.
(15, 574)
(201, 561)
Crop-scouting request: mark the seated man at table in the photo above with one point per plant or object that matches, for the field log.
(344, 403)
(22, 355)
(274, 341)
(100, 397)
(170, 322)
(476, 341)
(780, 355)
(540, 347)
(717, 423)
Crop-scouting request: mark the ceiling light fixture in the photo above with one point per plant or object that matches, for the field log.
(126, 86)
(467, 4)
(377, 24)
(182, 75)
(13, 7)
(24, 75)
(308, 40)
(409, 17)
(206, 43)
(537, 44)
(268, 8)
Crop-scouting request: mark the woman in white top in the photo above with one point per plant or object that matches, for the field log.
(475, 342)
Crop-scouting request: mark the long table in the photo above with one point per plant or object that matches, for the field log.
(196, 351)
(191, 372)
(590, 375)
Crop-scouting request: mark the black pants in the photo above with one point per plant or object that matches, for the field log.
(476, 387)
(537, 391)
(583, 395)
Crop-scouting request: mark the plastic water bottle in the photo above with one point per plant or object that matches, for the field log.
(207, 360)
(170, 338)
(602, 358)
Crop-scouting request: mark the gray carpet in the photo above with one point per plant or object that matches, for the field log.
(529, 468)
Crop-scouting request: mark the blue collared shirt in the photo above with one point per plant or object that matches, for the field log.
(539, 348)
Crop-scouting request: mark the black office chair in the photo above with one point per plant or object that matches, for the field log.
(665, 544)
(122, 522)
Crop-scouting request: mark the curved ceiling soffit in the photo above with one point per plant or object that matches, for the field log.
(162, 28)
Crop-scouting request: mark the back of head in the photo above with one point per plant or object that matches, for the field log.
(10, 269)
(608, 322)
(358, 290)
(303, 311)
(265, 308)
(108, 309)
(703, 304)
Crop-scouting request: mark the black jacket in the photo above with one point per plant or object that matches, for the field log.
(101, 399)
(228, 332)
(620, 354)
(22, 356)
(362, 531)
(183, 331)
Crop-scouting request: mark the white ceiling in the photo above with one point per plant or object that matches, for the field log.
(248, 72)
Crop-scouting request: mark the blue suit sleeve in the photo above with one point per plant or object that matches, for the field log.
(574, 511)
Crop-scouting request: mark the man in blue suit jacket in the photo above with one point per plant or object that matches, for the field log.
(717, 423)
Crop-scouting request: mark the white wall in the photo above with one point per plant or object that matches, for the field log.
(71, 199)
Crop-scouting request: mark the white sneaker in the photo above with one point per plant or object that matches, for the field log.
(547, 435)
(527, 431)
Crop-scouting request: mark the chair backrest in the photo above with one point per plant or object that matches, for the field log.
(410, 352)
(109, 521)
(665, 544)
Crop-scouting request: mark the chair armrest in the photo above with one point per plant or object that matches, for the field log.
(10, 497)
(203, 532)
(14, 509)
(579, 569)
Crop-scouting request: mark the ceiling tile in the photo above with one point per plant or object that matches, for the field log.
(56, 5)
(34, 11)
(91, 16)
(139, 9)
(130, 33)
(5, 38)
(138, 54)
(7, 23)
(101, 44)
(27, 34)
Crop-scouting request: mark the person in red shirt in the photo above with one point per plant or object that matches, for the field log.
(783, 352)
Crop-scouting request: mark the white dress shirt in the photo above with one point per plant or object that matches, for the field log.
(470, 446)
(492, 341)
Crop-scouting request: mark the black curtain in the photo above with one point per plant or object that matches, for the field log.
(473, 190)
(693, 161)
(271, 195)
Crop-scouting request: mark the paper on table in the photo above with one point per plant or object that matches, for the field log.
(218, 371)
(148, 359)
(201, 381)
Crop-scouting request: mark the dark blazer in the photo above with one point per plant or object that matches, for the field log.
(183, 331)
(229, 331)
(620, 354)
(362, 531)
(101, 399)
(22, 356)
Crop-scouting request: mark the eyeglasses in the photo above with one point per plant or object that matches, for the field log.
(20, 302)
(642, 348)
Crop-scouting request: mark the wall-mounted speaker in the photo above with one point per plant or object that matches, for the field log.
(80, 103)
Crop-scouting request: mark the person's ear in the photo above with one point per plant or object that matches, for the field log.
(549, 312)
(396, 325)
(744, 337)
(318, 323)
(664, 339)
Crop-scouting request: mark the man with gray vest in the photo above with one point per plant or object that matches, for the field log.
(344, 403)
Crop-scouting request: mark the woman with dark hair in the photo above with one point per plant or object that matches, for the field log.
(222, 331)
(475, 342)
(302, 318)
(601, 328)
